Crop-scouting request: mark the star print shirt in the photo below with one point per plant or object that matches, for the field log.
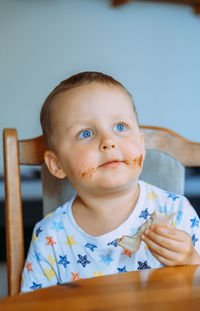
(61, 251)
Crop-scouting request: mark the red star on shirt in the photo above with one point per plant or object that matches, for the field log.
(29, 266)
(126, 252)
(75, 276)
(50, 240)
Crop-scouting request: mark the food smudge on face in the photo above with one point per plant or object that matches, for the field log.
(136, 162)
(88, 173)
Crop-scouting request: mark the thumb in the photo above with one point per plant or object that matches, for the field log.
(168, 225)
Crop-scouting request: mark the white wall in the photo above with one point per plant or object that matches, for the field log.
(153, 49)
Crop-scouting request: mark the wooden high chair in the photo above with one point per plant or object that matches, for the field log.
(167, 155)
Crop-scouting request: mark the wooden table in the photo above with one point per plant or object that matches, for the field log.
(171, 288)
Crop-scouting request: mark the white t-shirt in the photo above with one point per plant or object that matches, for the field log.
(61, 251)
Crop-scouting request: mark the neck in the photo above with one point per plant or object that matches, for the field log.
(100, 214)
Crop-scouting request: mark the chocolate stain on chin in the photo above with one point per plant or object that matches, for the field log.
(88, 173)
(136, 162)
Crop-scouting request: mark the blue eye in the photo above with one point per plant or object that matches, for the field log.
(119, 127)
(85, 134)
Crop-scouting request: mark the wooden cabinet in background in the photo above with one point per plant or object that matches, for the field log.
(194, 3)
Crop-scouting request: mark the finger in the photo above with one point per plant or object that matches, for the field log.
(163, 241)
(168, 225)
(163, 260)
(170, 232)
(160, 250)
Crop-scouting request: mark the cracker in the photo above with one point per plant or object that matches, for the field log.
(132, 243)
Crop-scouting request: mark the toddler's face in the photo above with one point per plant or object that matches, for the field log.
(98, 145)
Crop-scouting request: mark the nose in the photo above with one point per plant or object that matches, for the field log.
(107, 143)
(108, 146)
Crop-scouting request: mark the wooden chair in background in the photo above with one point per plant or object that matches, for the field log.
(167, 155)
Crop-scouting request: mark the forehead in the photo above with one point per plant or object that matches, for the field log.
(92, 99)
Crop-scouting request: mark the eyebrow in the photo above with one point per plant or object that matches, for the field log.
(75, 123)
(124, 115)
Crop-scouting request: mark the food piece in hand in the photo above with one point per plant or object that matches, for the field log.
(132, 243)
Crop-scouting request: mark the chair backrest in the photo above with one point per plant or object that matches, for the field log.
(167, 155)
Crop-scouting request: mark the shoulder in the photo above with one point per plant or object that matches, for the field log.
(52, 222)
(166, 201)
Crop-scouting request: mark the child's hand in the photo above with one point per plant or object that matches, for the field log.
(171, 246)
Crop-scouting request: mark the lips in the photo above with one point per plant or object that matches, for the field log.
(111, 164)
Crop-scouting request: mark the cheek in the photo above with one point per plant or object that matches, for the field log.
(134, 155)
(132, 150)
(136, 162)
(84, 165)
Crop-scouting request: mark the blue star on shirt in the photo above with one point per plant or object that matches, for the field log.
(144, 213)
(195, 222)
(163, 209)
(143, 265)
(83, 260)
(36, 286)
(134, 230)
(63, 261)
(173, 196)
(194, 239)
(106, 259)
(122, 269)
(179, 216)
(114, 243)
(38, 231)
(91, 246)
(37, 256)
(57, 226)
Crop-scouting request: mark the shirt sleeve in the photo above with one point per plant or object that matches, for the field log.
(40, 268)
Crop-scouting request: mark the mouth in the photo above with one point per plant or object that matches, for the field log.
(111, 164)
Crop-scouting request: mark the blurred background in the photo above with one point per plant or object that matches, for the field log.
(152, 48)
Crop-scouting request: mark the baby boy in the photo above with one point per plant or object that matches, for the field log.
(93, 138)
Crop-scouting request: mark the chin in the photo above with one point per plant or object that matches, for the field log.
(113, 186)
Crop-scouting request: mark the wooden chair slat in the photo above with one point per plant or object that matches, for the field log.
(165, 140)
(31, 151)
(13, 212)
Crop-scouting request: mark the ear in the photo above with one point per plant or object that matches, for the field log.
(53, 164)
